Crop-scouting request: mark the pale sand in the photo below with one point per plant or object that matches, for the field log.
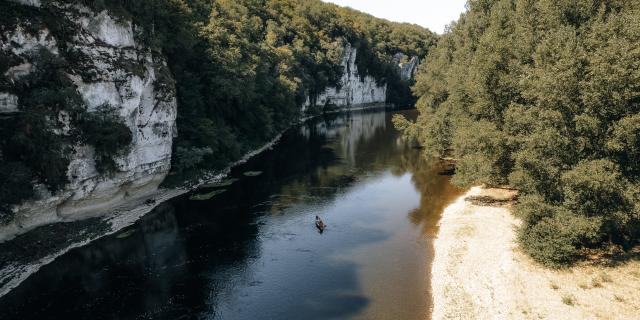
(479, 273)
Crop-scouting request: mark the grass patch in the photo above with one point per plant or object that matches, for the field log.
(568, 300)
(605, 277)
(583, 286)
(596, 283)
(618, 298)
(554, 286)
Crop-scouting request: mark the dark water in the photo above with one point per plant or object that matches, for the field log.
(253, 252)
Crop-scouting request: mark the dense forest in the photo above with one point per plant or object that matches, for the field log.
(242, 70)
(543, 96)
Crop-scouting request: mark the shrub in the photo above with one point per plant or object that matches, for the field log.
(623, 143)
(531, 209)
(105, 130)
(33, 143)
(15, 186)
(189, 157)
(556, 240)
(594, 188)
(568, 299)
(481, 149)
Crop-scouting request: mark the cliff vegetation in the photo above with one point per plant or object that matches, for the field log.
(242, 70)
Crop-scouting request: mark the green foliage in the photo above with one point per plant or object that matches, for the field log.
(244, 68)
(189, 158)
(107, 132)
(36, 143)
(623, 142)
(594, 188)
(543, 95)
(29, 146)
(15, 185)
(556, 240)
(480, 148)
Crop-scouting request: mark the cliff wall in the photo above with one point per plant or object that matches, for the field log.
(107, 66)
(354, 91)
(107, 63)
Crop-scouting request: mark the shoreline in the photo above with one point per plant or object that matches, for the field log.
(13, 272)
(478, 272)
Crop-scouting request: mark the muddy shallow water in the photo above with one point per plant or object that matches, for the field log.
(253, 252)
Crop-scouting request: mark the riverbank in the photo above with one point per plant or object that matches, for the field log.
(478, 271)
(24, 253)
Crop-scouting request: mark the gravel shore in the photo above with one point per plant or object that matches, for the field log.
(479, 272)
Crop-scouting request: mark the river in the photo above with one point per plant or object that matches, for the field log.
(253, 252)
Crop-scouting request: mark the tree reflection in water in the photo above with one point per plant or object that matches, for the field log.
(253, 251)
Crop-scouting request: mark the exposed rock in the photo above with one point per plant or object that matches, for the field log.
(406, 66)
(111, 69)
(8, 103)
(21, 43)
(355, 91)
(16, 72)
(105, 28)
(34, 3)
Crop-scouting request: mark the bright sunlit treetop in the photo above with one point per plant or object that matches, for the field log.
(432, 14)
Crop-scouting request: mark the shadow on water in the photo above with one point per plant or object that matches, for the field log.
(253, 251)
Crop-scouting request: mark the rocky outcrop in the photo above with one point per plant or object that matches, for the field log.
(8, 103)
(354, 91)
(407, 67)
(35, 3)
(109, 67)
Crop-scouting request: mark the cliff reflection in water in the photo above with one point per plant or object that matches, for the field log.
(253, 251)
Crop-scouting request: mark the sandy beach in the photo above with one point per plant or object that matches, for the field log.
(479, 272)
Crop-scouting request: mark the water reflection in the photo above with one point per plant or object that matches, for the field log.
(253, 251)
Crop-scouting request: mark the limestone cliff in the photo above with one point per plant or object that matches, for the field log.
(354, 91)
(108, 64)
(108, 67)
(407, 67)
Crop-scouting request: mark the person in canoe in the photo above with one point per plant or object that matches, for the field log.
(319, 224)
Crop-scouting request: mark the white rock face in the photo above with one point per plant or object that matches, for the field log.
(34, 3)
(407, 70)
(355, 91)
(407, 67)
(8, 103)
(114, 70)
(105, 28)
(21, 43)
(16, 72)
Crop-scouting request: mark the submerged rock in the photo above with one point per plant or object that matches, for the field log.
(220, 184)
(126, 234)
(206, 196)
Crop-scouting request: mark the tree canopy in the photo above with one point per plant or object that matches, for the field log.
(243, 68)
(542, 96)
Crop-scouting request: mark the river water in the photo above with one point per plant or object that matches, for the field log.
(253, 252)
